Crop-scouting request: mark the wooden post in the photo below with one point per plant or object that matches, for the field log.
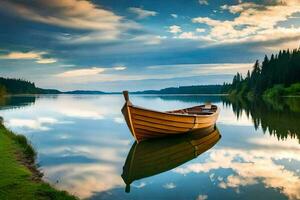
(126, 96)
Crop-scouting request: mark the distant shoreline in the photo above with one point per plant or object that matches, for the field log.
(120, 93)
(17, 87)
(135, 94)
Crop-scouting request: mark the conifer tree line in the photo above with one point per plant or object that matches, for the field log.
(282, 69)
(20, 86)
(17, 86)
(194, 89)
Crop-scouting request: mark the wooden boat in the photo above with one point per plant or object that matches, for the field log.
(149, 158)
(145, 123)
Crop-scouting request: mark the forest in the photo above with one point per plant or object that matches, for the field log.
(197, 89)
(19, 86)
(278, 75)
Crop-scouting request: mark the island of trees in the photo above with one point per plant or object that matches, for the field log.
(278, 75)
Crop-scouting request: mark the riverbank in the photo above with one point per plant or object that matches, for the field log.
(19, 176)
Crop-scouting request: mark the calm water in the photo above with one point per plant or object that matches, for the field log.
(83, 142)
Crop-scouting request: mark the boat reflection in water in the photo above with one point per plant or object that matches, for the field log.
(155, 156)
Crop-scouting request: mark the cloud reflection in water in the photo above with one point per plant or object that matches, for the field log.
(84, 143)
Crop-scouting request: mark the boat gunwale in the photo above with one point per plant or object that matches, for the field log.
(178, 114)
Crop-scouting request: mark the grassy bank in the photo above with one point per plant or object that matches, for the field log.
(280, 90)
(19, 177)
(275, 92)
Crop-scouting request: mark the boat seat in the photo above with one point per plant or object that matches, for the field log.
(207, 106)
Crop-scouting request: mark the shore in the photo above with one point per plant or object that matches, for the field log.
(19, 176)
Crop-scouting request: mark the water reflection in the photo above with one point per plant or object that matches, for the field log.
(149, 158)
(83, 142)
(278, 117)
(270, 163)
(16, 102)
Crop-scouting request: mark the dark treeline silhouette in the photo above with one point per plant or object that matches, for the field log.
(282, 69)
(19, 86)
(186, 98)
(199, 89)
(84, 92)
(278, 117)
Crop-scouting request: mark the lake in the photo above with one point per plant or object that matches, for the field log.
(83, 142)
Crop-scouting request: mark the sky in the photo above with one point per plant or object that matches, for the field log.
(115, 45)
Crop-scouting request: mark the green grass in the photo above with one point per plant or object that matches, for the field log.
(276, 91)
(16, 180)
(280, 90)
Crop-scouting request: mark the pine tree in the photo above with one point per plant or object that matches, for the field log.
(282, 68)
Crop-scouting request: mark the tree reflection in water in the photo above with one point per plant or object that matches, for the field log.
(278, 117)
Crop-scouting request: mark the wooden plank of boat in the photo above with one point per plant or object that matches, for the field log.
(145, 123)
(149, 158)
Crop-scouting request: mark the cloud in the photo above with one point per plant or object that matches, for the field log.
(206, 20)
(200, 30)
(22, 55)
(174, 15)
(81, 72)
(241, 7)
(203, 2)
(169, 186)
(203, 69)
(187, 35)
(175, 29)
(141, 13)
(46, 61)
(93, 71)
(152, 72)
(120, 68)
(119, 120)
(141, 185)
(90, 38)
(75, 14)
(84, 114)
(33, 124)
(229, 118)
(253, 23)
(31, 55)
(84, 179)
(258, 166)
(190, 36)
(202, 197)
(148, 39)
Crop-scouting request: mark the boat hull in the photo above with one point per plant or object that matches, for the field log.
(145, 124)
